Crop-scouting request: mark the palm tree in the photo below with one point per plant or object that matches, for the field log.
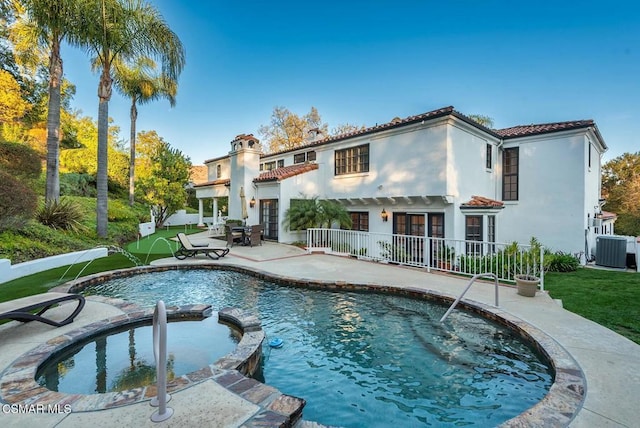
(122, 30)
(141, 84)
(55, 21)
(309, 213)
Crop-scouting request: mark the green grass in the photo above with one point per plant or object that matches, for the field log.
(609, 298)
(153, 245)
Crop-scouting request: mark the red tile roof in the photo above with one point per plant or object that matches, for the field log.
(522, 130)
(606, 215)
(482, 202)
(224, 181)
(279, 174)
(395, 122)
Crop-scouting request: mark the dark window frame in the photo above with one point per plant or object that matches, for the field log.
(299, 158)
(359, 220)
(473, 232)
(489, 157)
(351, 160)
(280, 163)
(511, 174)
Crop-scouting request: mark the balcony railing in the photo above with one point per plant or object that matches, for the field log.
(448, 255)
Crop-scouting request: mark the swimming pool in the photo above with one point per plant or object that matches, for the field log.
(363, 359)
(123, 359)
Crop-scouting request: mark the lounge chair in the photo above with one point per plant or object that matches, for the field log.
(187, 249)
(255, 237)
(20, 309)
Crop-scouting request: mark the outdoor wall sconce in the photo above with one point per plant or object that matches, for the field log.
(384, 215)
(252, 202)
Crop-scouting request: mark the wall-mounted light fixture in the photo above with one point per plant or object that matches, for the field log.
(384, 215)
(252, 202)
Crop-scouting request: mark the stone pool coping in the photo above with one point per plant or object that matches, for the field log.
(558, 408)
(18, 384)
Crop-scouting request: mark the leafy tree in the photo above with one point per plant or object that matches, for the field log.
(483, 120)
(621, 188)
(12, 104)
(141, 84)
(287, 130)
(83, 158)
(164, 176)
(308, 213)
(121, 30)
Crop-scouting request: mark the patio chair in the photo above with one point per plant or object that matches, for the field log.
(21, 309)
(255, 237)
(187, 249)
(233, 236)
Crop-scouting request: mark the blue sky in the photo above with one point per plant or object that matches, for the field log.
(365, 62)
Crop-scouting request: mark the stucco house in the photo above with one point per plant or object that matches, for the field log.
(436, 174)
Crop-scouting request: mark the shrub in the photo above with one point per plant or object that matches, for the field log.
(76, 184)
(20, 160)
(17, 202)
(64, 214)
(561, 262)
(119, 210)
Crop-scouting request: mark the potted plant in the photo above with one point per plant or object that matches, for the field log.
(527, 284)
(444, 256)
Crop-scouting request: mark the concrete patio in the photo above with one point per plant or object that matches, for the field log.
(609, 361)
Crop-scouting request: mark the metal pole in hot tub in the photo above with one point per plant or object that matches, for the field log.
(160, 353)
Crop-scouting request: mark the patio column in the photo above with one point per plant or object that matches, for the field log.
(215, 211)
(200, 213)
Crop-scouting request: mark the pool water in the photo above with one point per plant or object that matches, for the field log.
(123, 359)
(367, 359)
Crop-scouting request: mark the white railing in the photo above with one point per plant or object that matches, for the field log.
(160, 353)
(471, 281)
(448, 255)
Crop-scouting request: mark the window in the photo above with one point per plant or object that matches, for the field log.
(489, 160)
(352, 160)
(589, 154)
(281, 163)
(360, 221)
(298, 158)
(261, 167)
(268, 166)
(473, 232)
(218, 171)
(491, 231)
(510, 167)
(311, 156)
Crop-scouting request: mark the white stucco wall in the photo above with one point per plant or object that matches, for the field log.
(551, 193)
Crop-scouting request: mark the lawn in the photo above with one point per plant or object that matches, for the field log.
(609, 298)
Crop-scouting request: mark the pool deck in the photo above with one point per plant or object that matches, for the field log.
(610, 362)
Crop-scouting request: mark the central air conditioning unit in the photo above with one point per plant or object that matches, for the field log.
(611, 251)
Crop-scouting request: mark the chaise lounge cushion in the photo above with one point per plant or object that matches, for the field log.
(187, 249)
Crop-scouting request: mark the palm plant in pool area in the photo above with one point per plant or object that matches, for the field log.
(308, 213)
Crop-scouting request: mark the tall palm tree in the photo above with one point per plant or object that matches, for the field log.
(122, 30)
(141, 84)
(55, 21)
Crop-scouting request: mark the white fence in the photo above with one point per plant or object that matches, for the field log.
(448, 255)
(9, 272)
